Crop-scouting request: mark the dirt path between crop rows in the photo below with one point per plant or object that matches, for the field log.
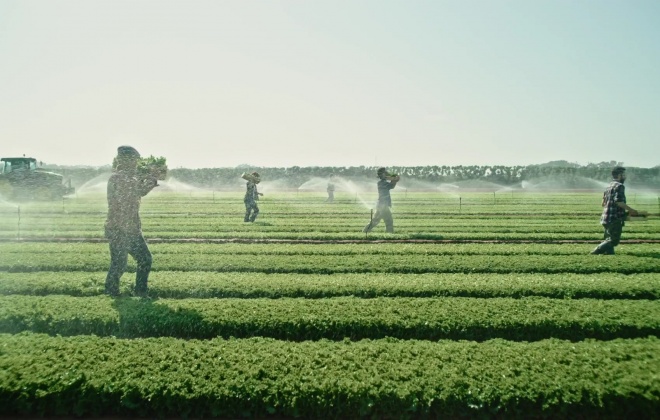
(332, 241)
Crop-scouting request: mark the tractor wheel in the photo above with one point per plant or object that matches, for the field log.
(42, 193)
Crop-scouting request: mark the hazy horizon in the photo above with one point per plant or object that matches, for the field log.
(247, 166)
(286, 83)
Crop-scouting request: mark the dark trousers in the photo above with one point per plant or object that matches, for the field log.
(122, 244)
(612, 237)
(251, 211)
(331, 196)
(383, 212)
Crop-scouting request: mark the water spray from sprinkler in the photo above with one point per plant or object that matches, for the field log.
(371, 221)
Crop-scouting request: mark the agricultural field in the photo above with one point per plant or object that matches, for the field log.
(481, 304)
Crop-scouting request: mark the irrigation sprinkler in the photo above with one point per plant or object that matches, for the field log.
(460, 204)
(18, 233)
(371, 220)
(494, 197)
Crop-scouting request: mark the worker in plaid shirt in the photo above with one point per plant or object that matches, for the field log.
(614, 212)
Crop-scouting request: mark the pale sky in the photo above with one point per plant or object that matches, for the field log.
(331, 83)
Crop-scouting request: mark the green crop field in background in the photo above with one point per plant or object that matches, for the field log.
(481, 304)
(506, 216)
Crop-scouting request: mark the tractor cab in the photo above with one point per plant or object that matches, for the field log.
(20, 178)
(9, 165)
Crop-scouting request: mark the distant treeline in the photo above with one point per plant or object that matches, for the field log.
(571, 175)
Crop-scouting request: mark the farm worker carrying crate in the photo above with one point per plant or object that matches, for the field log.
(251, 196)
(127, 185)
(386, 182)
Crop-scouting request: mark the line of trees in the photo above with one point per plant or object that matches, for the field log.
(570, 174)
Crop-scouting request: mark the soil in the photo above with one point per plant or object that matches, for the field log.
(335, 241)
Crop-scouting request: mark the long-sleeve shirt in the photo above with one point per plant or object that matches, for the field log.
(125, 191)
(615, 193)
(384, 187)
(251, 194)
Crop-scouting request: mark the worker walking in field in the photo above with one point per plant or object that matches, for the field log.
(331, 189)
(386, 182)
(615, 211)
(123, 227)
(251, 196)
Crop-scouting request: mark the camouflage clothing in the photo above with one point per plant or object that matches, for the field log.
(250, 200)
(123, 229)
(125, 191)
(613, 218)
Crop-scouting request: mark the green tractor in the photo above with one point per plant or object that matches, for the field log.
(21, 179)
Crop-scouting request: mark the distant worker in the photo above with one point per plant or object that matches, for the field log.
(386, 182)
(331, 189)
(123, 228)
(251, 196)
(614, 212)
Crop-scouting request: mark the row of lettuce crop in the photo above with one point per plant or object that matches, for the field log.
(389, 378)
(332, 264)
(405, 230)
(304, 210)
(585, 231)
(204, 285)
(255, 232)
(224, 222)
(457, 318)
(15, 250)
(283, 203)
